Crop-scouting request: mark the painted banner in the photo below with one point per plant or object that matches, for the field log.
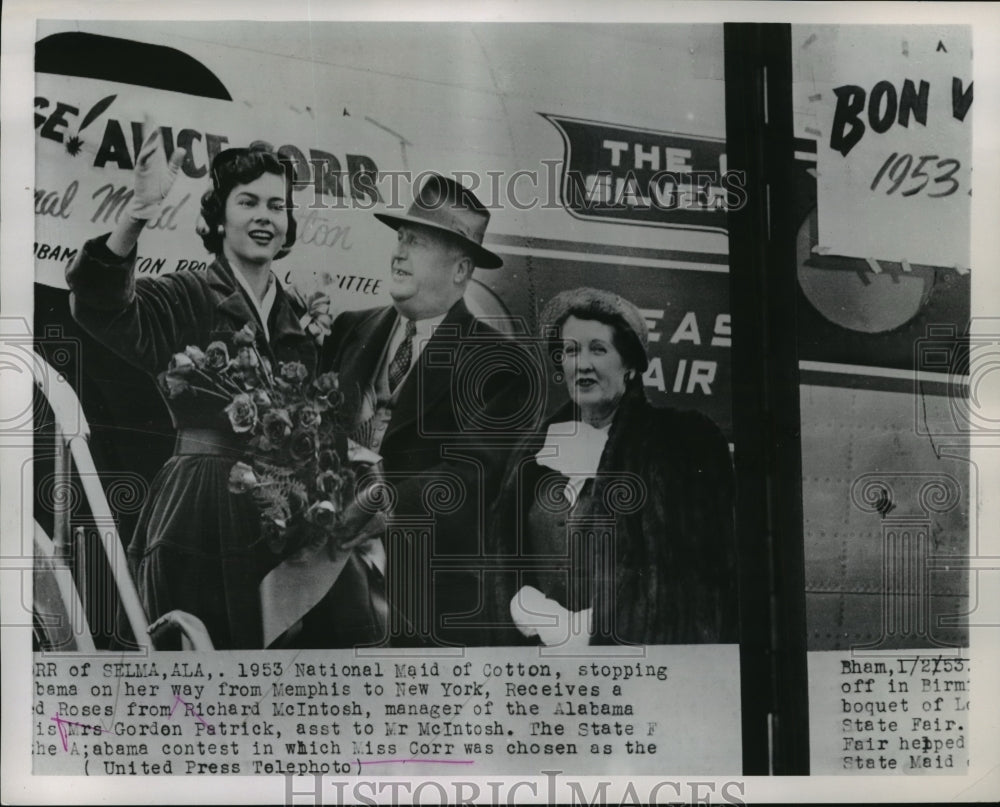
(892, 113)
(89, 132)
(643, 176)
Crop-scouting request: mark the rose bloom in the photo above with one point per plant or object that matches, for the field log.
(245, 336)
(196, 355)
(308, 417)
(322, 513)
(273, 534)
(242, 478)
(216, 356)
(319, 302)
(328, 391)
(327, 382)
(303, 446)
(319, 318)
(294, 371)
(176, 385)
(329, 460)
(246, 359)
(242, 413)
(181, 364)
(261, 398)
(329, 482)
(277, 425)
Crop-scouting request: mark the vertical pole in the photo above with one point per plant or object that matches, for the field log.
(763, 284)
(83, 561)
(62, 496)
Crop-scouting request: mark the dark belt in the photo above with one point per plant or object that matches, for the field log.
(211, 442)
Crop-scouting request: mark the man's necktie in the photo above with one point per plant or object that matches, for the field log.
(404, 353)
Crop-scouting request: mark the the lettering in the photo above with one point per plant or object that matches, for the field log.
(886, 106)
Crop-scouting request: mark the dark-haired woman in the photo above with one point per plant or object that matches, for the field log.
(195, 546)
(619, 513)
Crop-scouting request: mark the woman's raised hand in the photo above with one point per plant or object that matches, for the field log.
(154, 176)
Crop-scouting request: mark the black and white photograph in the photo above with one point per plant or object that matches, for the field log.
(511, 405)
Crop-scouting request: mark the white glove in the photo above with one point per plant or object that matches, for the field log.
(534, 614)
(154, 177)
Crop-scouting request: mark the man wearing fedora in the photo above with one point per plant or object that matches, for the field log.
(435, 398)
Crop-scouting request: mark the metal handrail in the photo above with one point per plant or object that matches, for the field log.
(54, 588)
(72, 437)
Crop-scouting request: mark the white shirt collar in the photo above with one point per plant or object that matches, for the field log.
(262, 307)
(424, 327)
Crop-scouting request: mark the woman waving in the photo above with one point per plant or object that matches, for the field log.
(196, 546)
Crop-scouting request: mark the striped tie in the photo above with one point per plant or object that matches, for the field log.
(404, 353)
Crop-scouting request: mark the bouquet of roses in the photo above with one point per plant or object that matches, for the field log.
(299, 468)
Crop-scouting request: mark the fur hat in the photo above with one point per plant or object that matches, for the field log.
(604, 306)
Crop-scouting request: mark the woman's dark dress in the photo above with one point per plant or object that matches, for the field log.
(195, 546)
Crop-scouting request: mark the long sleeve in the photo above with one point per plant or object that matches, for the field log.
(144, 320)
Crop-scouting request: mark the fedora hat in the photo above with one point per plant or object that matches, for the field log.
(442, 204)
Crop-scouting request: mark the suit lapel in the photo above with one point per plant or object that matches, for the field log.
(361, 351)
(428, 382)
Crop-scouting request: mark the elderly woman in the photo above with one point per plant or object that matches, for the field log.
(196, 546)
(619, 513)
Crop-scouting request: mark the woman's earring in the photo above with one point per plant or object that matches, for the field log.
(220, 229)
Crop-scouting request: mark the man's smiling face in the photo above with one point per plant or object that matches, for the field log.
(427, 272)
